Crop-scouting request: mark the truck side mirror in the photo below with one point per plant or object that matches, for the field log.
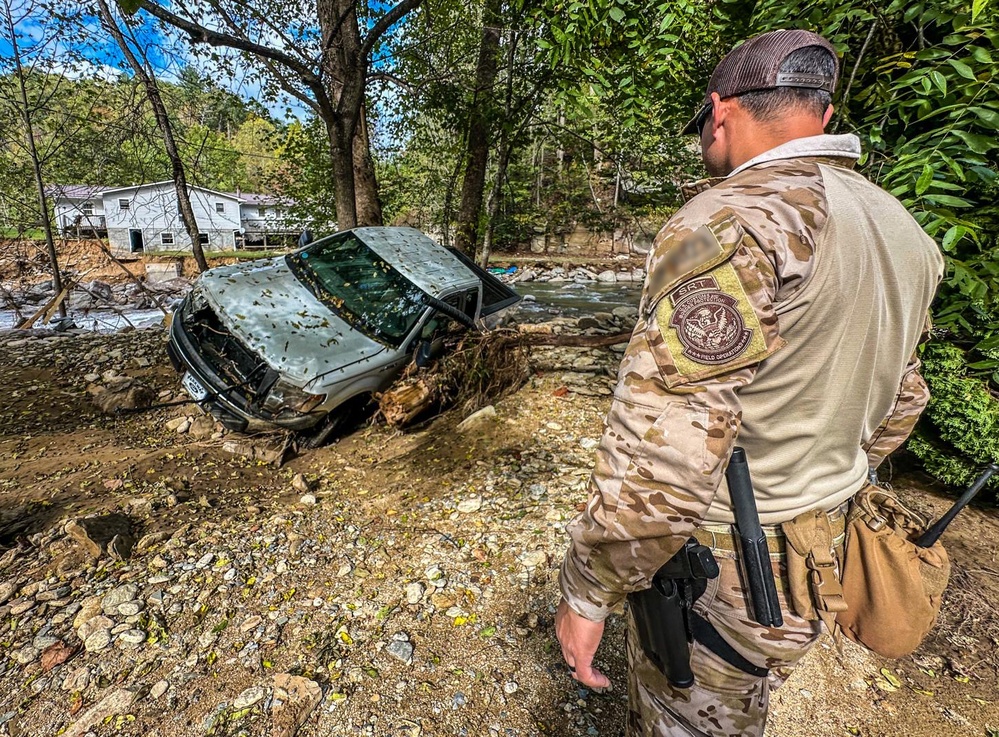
(429, 351)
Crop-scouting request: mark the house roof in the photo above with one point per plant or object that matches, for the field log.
(144, 185)
(249, 198)
(75, 191)
(88, 191)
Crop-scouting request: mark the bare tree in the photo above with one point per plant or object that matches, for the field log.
(144, 73)
(25, 108)
(327, 72)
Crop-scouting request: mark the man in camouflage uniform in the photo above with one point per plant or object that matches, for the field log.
(783, 307)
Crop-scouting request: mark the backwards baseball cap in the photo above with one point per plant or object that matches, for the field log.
(755, 66)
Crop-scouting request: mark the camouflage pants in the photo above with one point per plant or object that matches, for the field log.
(723, 701)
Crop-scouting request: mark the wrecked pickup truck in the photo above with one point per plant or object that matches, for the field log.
(303, 341)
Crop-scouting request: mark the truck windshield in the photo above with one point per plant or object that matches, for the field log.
(360, 287)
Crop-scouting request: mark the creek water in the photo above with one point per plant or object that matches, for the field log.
(100, 321)
(568, 299)
(542, 301)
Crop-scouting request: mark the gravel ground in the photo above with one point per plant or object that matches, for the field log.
(392, 584)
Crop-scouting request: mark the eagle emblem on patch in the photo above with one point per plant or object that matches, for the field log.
(708, 322)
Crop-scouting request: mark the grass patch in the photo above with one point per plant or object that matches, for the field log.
(29, 234)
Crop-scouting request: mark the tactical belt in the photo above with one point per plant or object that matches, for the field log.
(721, 537)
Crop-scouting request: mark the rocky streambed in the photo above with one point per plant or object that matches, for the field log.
(152, 582)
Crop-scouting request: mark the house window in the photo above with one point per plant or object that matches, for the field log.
(87, 208)
(220, 207)
(124, 203)
(166, 239)
(203, 239)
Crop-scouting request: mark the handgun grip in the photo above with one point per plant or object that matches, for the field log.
(762, 588)
(662, 631)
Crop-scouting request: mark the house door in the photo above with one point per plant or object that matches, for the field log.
(135, 241)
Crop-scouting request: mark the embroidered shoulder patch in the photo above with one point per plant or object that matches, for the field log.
(709, 325)
(708, 322)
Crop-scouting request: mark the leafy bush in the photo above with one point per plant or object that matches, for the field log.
(963, 416)
(921, 87)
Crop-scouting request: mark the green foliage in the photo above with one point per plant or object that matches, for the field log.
(963, 416)
(305, 174)
(639, 58)
(921, 86)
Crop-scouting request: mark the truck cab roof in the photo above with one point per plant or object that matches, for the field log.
(433, 269)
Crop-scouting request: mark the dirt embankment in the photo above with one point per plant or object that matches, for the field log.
(392, 584)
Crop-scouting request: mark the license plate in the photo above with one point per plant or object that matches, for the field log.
(194, 387)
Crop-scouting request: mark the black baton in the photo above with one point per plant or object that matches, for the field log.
(753, 543)
(933, 534)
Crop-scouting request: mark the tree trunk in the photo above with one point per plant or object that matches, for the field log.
(36, 167)
(344, 71)
(492, 205)
(505, 149)
(477, 156)
(334, 81)
(341, 152)
(369, 205)
(166, 130)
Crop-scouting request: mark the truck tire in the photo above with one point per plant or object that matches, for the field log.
(334, 425)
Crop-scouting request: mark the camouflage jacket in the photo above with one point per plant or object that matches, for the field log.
(732, 279)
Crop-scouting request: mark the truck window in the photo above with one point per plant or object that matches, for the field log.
(355, 283)
(439, 324)
(471, 302)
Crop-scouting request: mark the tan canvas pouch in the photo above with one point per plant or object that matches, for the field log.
(892, 587)
(812, 569)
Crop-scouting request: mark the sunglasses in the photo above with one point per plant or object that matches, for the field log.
(702, 118)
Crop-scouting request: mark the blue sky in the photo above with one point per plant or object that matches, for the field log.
(86, 50)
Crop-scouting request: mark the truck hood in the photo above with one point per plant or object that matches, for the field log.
(273, 314)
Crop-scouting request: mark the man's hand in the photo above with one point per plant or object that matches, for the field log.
(579, 638)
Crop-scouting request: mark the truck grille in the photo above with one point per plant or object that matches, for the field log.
(231, 361)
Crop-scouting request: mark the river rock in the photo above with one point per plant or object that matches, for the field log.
(533, 558)
(249, 697)
(117, 702)
(477, 420)
(118, 596)
(77, 680)
(96, 624)
(151, 540)
(472, 504)
(132, 637)
(401, 648)
(27, 654)
(97, 533)
(295, 698)
(7, 589)
(123, 394)
(414, 592)
(97, 641)
(89, 608)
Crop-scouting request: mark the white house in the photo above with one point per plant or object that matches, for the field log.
(264, 216)
(146, 217)
(79, 209)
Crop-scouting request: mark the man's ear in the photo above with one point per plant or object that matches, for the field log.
(827, 115)
(718, 112)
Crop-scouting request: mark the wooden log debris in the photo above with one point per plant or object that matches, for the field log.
(478, 369)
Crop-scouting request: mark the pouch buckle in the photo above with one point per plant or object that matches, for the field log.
(826, 587)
